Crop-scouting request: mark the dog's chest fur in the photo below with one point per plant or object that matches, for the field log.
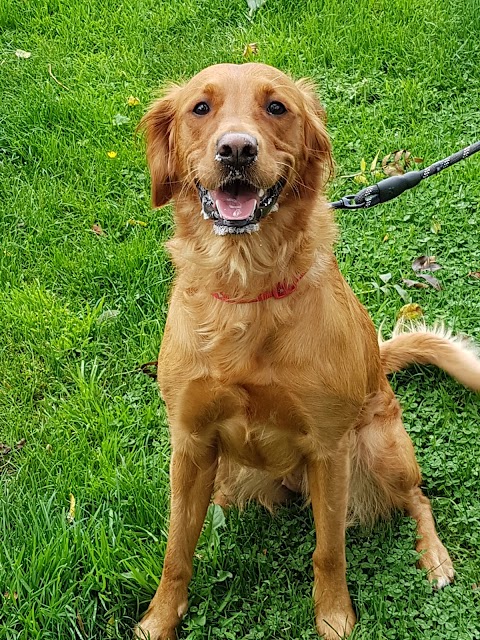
(266, 384)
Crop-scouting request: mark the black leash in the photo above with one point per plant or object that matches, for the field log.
(390, 188)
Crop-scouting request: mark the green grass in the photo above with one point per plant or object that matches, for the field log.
(79, 312)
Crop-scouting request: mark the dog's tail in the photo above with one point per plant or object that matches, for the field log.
(416, 343)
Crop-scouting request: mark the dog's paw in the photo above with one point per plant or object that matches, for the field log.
(442, 574)
(438, 565)
(149, 629)
(333, 625)
(154, 626)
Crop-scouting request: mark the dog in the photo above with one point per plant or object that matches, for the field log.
(271, 370)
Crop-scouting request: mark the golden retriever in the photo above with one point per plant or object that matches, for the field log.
(270, 368)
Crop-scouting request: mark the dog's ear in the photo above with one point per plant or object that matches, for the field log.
(317, 141)
(158, 124)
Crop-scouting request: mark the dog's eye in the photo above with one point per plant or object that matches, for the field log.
(276, 108)
(201, 109)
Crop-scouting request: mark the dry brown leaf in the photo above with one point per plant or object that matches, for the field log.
(393, 170)
(81, 626)
(409, 312)
(150, 368)
(4, 449)
(426, 263)
(431, 280)
(10, 596)
(20, 444)
(474, 274)
(395, 163)
(415, 284)
(251, 49)
(96, 228)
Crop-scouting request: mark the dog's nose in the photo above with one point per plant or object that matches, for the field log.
(237, 149)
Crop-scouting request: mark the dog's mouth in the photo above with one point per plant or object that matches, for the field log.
(238, 206)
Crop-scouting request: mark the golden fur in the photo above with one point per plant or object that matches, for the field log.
(278, 395)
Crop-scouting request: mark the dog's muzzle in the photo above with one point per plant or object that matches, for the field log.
(238, 206)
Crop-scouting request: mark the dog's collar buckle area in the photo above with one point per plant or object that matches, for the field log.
(281, 290)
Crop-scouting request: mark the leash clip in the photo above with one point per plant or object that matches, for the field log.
(349, 202)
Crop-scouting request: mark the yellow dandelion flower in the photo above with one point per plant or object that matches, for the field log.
(132, 101)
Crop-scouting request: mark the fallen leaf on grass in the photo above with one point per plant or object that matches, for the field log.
(425, 263)
(360, 178)
(5, 449)
(431, 280)
(373, 166)
(149, 368)
(397, 162)
(10, 596)
(474, 274)
(251, 49)
(410, 312)
(132, 101)
(415, 284)
(81, 626)
(20, 53)
(391, 167)
(71, 511)
(96, 228)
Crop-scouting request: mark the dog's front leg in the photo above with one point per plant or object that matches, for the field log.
(191, 478)
(328, 483)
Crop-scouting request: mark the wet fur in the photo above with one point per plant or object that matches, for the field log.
(282, 395)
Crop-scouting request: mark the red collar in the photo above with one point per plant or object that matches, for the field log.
(281, 290)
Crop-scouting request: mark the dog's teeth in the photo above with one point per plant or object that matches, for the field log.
(205, 215)
(261, 193)
(275, 207)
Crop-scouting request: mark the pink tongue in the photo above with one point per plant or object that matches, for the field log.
(239, 207)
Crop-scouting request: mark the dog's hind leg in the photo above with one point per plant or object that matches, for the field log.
(385, 459)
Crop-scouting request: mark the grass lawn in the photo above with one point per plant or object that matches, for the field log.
(79, 311)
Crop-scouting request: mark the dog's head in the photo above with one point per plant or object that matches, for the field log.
(243, 138)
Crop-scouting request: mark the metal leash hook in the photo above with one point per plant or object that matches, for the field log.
(390, 188)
